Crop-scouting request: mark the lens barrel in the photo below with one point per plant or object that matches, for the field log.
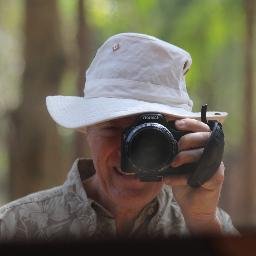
(150, 147)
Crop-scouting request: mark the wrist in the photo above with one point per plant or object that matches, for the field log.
(202, 225)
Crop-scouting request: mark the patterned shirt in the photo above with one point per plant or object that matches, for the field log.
(66, 212)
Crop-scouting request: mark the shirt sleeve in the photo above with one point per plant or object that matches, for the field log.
(227, 226)
(8, 224)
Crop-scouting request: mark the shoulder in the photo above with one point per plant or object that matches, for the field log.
(31, 199)
(172, 219)
(32, 210)
(226, 223)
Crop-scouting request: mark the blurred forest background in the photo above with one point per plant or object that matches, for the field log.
(46, 46)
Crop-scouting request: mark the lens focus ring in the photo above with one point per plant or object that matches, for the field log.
(150, 147)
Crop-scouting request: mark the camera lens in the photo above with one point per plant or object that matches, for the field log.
(151, 148)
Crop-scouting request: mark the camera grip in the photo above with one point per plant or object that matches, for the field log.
(211, 157)
(156, 176)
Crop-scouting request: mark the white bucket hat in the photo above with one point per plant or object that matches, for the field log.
(130, 74)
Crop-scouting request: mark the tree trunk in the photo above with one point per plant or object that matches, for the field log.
(249, 169)
(34, 144)
(83, 41)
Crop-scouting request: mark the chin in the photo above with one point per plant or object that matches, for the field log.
(133, 197)
(127, 190)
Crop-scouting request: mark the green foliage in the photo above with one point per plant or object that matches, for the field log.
(11, 62)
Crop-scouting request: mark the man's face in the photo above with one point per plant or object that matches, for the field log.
(113, 185)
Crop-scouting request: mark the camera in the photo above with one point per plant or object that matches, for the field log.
(150, 144)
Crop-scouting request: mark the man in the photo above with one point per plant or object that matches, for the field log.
(131, 74)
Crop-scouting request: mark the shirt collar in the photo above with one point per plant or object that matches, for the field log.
(83, 169)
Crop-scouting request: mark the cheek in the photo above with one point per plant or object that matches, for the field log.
(103, 149)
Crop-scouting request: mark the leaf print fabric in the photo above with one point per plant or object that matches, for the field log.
(66, 212)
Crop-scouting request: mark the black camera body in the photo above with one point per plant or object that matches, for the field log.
(150, 144)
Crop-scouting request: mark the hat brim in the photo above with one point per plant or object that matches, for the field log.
(78, 112)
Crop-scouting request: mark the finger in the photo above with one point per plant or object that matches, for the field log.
(193, 140)
(187, 156)
(216, 180)
(191, 125)
(177, 180)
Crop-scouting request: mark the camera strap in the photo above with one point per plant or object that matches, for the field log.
(211, 157)
(212, 154)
